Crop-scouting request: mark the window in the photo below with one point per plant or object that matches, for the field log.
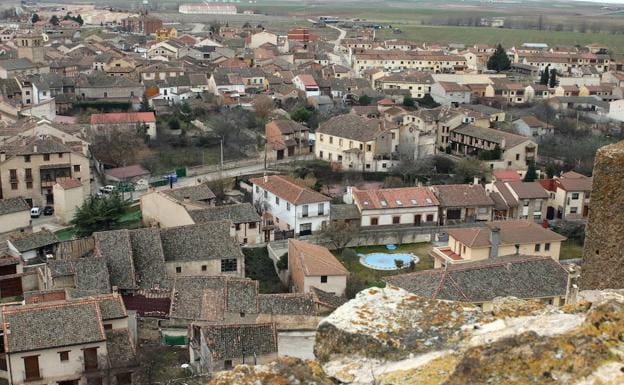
(266, 194)
(369, 147)
(108, 326)
(321, 209)
(331, 140)
(287, 206)
(538, 247)
(60, 155)
(323, 279)
(546, 246)
(321, 154)
(526, 203)
(575, 195)
(76, 168)
(277, 200)
(429, 217)
(13, 174)
(204, 268)
(178, 269)
(304, 211)
(251, 225)
(64, 356)
(517, 156)
(227, 364)
(257, 189)
(396, 220)
(242, 314)
(46, 157)
(29, 185)
(573, 210)
(27, 158)
(14, 186)
(228, 265)
(374, 221)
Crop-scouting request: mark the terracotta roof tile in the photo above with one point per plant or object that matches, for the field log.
(289, 189)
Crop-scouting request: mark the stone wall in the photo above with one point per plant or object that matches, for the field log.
(603, 267)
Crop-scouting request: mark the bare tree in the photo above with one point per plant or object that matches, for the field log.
(263, 106)
(118, 147)
(338, 234)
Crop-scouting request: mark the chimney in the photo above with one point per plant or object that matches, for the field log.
(494, 241)
(475, 180)
(266, 178)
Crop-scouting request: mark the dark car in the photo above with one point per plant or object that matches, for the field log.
(48, 210)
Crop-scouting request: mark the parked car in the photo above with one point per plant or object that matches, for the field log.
(108, 189)
(35, 212)
(48, 210)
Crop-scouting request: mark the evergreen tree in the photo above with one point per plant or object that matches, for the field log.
(408, 101)
(79, 20)
(145, 107)
(99, 214)
(365, 100)
(545, 75)
(531, 174)
(552, 83)
(499, 61)
(35, 18)
(54, 20)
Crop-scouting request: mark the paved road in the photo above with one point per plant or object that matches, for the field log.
(343, 34)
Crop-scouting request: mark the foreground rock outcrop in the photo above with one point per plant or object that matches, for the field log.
(391, 337)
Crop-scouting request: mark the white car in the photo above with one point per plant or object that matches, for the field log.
(108, 189)
(35, 212)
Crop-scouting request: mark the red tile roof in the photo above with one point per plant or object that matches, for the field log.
(67, 184)
(314, 260)
(506, 175)
(307, 80)
(123, 117)
(512, 232)
(289, 189)
(394, 198)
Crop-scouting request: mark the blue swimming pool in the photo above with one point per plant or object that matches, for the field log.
(386, 261)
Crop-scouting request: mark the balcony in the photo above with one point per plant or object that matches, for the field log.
(446, 255)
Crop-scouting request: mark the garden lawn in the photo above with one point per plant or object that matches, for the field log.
(363, 277)
(571, 249)
(259, 266)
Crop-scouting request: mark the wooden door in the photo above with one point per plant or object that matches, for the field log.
(31, 367)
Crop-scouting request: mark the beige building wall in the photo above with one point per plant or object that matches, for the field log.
(207, 268)
(407, 215)
(247, 235)
(36, 162)
(335, 284)
(14, 221)
(51, 368)
(157, 208)
(66, 202)
(480, 253)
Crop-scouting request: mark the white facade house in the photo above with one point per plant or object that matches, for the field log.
(290, 205)
(307, 84)
(409, 206)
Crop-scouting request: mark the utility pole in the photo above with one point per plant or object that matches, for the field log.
(221, 152)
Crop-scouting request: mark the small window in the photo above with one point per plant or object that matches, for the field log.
(204, 268)
(323, 279)
(321, 209)
(575, 195)
(287, 206)
(178, 269)
(517, 156)
(546, 246)
(266, 194)
(64, 356)
(13, 186)
(396, 220)
(108, 326)
(46, 157)
(76, 168)
(251, 225)
(277, 201)
(29, 185)
(374, 221)
(60, 155)
(538, 247)
(429, 217)
(27, 158)
(228, 265)
(227, 364)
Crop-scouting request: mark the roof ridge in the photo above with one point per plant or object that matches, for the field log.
(458, 287)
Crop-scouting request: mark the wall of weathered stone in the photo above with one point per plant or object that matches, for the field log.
(604, 236)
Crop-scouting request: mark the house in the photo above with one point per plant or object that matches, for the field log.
(450, 93)
(260, 38)
(68, 197)
(290, 205)
(134, 174)
(14, 214)
(418, 83)
(99, 85)
(480, 282)
(67, 342)
(148, 258)
(286, 138)
(569, 196)
(170, 208)
(410, 206)
(125, 121)
(307, 84)
(352, 142)
(10, 68)
(532, 126)
(461, 203)
(497, 239)
(243, 217)
(311, 265)
(32, 246)
(13, 280)
(30, 167)
(221, 347)
(518, 200)
(83, 275)
(516, 151)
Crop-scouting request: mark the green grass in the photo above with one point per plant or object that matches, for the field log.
(507, 37)
(571, 249)
(132, 215)
(363, 277)
(259, 266)
(66, 234)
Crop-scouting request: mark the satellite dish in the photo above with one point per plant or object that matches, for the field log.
(45, 37)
